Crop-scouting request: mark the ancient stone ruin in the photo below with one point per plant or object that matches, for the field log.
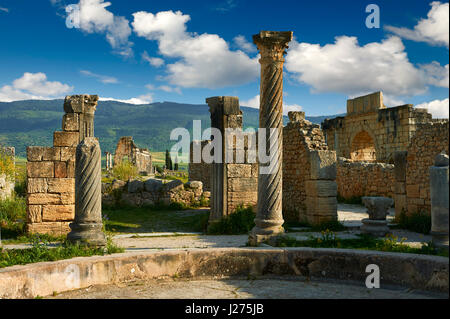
(51, 170)
(140, 157)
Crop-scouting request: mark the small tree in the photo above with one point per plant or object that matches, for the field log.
(167, 159)
(176, 163)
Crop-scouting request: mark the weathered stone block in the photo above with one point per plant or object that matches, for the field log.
(135, 186)
(52, 213)
(74, 104)
(35, 153)
(70, 122)
(51, 199)
(51, 154)
(53, 228)
(153, 185)
(68, 153)
(324, 206)
(400, 188)
(242, 184)
(400, 165)
(69, 139)
(71, 169)
(239, 170)
(61, 185)
(37, 185)
(321, 188)
(413, 190)
(400, 204)
(34, 213)
(40, 169)
(60, 169)
(323, 164)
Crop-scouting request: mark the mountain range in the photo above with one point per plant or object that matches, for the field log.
(32, 122)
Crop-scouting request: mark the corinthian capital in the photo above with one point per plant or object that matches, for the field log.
(272, 44)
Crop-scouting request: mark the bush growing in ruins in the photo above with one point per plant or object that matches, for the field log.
(419, 222)
(6, 165)
(240, 222)
(125, 171)
(12, 216)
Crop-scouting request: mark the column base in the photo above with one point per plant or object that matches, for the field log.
(377, 228)
(90, 234)
(265, 230)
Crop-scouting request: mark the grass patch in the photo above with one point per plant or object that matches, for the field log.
(40, 252)
(124, 171)
(153, 219)
(419, 222)
(12, 217)
(240, 222)
(328, 239)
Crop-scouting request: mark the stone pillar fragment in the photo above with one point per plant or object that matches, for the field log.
(439, 188)
(400, 182)
(269, 217)
(377, 208)
(87, 226)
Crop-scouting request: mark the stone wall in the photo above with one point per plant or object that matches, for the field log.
(7, 183)
(430, 139)
(151, 192)
(356, 179)
(372, 132)
(51, 170)
(309, 173)
(141, 157)
(200, 171)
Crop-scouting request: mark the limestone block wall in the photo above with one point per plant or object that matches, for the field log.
(356, 179)
(51, 172)
(430, 139)
(309, 172)
(372, 132)
(200, 171)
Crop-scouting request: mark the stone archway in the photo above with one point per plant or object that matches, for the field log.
(363, 148)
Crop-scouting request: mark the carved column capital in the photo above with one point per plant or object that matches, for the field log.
(272, 45)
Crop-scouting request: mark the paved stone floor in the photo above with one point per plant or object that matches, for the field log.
(349, 215)
(267, 288)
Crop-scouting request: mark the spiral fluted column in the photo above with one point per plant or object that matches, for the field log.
(87, 226)
(269, 217)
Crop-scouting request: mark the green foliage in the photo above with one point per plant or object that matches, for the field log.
(6, 165)
(366, 242)
(159, 169)
(125, 171)
(240, 222)
(419, 222)
(41, 252)
(12, 209)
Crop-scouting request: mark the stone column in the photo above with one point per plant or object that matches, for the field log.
(225, 113)
(87, 226)
(439, 200)
(269, 218)
(85, 106)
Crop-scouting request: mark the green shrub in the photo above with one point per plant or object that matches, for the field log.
(125, 171)
(240, 222)
(12, 209)
(7, 166)
(20, 187)
(356, 200)
(419, 222)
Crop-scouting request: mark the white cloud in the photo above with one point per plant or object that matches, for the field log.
(4, 9)
(438, 108)
(102, 78)
(433, 30)
(169, 89)
(390, 101)
(348, 68)
(142, 99)
(94, 18)
(241, 42)
(254, 103)
(226, 6)
(205, 61)
(156, 62)
(33, 86)
(436, 74)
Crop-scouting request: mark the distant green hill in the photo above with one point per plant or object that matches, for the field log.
(32, 122)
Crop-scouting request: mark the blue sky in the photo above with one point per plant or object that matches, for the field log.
(185, 51)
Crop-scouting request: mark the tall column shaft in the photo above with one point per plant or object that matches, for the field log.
(87, 226)
(269, 217)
